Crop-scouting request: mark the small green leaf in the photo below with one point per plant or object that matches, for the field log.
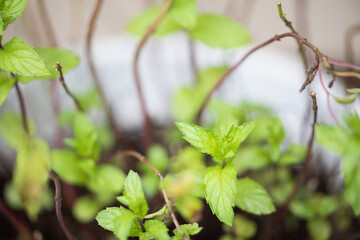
(66, 58)
(346, 100)
(107, 179)
(253, 198)
(162, 211)
(183, 12)
(155, 229)
(201, 138)
(331, 137)
(158, 157)
(139, 25)
(10, 10)
(85, 142)
(244, 228)
(31, 184)
(220, 31)
(19, 58)
(353, 90)
(133, 195)
(294, 155)
(220, 190)
(2, 26)
(67, 165)
(353, 122)
(6, 85)
(121, 221)
(302, 209)
(188, 230)
(252, 157)
(319, 229)
(86, 208)
(12, 130)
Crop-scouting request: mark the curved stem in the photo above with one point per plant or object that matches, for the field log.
(62, 81)
(341, 63)
(147, 125)
(16, 222)
(301, 175)
(22, 107)
(89, 57)
(251, 51)
(327, 95)
(142, 159)
(57, 199)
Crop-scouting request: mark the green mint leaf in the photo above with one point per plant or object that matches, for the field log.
(134, 195)
(319, 229)
(86, 208)
(107, 179)
(188, 100)
(85, 142)
(121, 221)
(220, 31)
(188, 229)
(31, 184)
(183, 12)
(331, 137)
(253, 198)
(155, 229)
(244, 228)
(203, 139)
(294, 155)
(12, 130)
(67, 165)
(10, 10)
(234, 137)
(157, 156)
(302, 209)
(6, 85)
(252, 157)
(19, 58)
(353, 122)
(351, 171)
(220, 190)
(66, 58)
(139, 25)
(2, 26)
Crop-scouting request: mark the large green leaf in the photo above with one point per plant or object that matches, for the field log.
(220, 190)
(51, 56)
(140, 24)
(183, 12)
(332, 137)
(220, 31)
(19, 58)
(67, 165)
(252, 197)
(6, 85)
(121, 221)
(133, 195)
(85, 141)
(12, 130)
(107, 179)
(10, 10)
(155, 229)
(31, 174)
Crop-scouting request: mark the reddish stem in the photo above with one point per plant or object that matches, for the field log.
(341, 63)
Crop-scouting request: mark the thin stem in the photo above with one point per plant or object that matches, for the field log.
(251, 51)
(292, 29)
(301, 175)
(16, 222)
(142, 159)
(147, 125)
(57, 199)
(89, 57)
(22, 106)
(327, 96)
(62, 81)
(341, 63)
